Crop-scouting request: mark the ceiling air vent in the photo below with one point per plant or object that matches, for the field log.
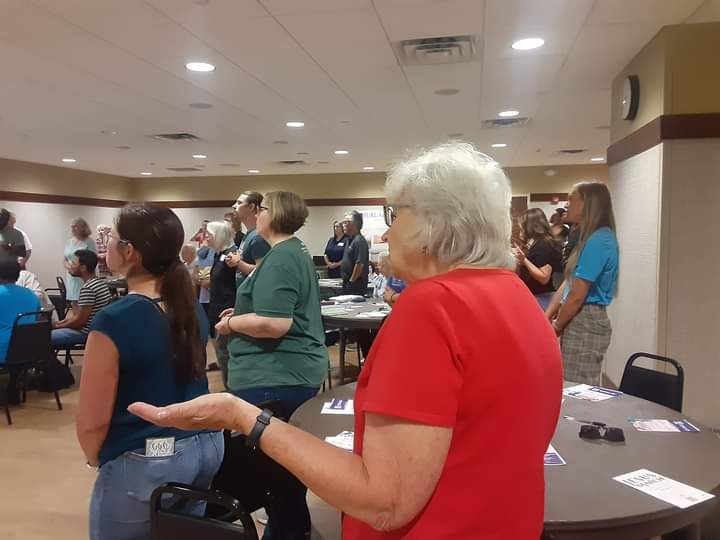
(572, 151)
(176, 137)
(183, 169)
(437, 50)
(291, 162)
(505, 122)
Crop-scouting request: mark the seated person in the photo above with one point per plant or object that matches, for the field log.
(14, 300)
(30, 281)
(94, 295)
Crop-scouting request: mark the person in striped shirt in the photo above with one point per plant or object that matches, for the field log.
(94, 295)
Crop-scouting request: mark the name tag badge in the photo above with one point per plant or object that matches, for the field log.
(222, 258)
(160, 447)
(341, 244)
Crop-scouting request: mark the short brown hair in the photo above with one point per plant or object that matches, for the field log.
(288, 211)
(253, 197)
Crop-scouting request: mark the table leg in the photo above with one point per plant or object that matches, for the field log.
(691, 532)
(342, 345)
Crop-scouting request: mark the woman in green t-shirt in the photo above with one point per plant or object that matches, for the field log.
(277, 341)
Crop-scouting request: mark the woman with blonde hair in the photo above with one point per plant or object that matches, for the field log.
(439, 383)
(80, 239)
(539, 257)
(579, 309)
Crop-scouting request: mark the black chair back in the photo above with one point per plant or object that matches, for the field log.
(169, 523)
(662, 388)
(30, 343)
(58, 301)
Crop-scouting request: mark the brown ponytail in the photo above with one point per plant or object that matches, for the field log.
(158, 235)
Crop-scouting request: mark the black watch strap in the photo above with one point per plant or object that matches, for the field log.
(262, 421)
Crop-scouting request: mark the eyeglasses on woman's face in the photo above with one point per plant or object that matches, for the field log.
(390, 212)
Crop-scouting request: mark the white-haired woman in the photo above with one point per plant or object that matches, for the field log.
(221, 239)
(80, 239)
(579, 308)
(435, 400)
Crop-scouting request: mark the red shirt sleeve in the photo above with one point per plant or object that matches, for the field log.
(416, 369)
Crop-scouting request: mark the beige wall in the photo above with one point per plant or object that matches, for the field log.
(36, 178)
(649, 66)
(524, 180)
(678, 71)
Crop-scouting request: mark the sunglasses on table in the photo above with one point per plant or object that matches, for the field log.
(598, 430)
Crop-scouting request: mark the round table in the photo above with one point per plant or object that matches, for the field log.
(582, 501)
(352, 319)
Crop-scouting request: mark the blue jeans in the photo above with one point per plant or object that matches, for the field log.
(120, 503)
(67, 337)
(289, 519)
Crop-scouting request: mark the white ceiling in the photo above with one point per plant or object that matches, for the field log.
(74, 68)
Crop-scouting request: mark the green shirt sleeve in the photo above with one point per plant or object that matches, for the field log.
(275, 291)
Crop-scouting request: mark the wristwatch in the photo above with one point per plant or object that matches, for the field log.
(262, 421)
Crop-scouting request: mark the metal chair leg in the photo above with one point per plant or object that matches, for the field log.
(57, 400)
(342, 345)
(7, 414)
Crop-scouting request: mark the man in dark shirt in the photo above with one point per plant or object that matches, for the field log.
(356, 257)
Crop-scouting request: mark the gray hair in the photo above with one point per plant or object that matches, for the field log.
(462, 197)
(357, 218)
(223, 234)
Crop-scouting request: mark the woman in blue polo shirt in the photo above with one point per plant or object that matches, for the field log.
(334, 250)
(579, 308)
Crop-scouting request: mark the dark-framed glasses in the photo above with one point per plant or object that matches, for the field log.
(390, 212)
(598, 430)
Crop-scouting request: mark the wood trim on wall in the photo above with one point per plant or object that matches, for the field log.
(19, 196)
(664, 128)
(110, 203)
(548, 197)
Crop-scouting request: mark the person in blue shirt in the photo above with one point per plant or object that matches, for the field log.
(579, 309)
(149, 345)
(334, 250)
(13, 301)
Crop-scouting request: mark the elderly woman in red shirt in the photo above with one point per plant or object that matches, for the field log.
(446, 446)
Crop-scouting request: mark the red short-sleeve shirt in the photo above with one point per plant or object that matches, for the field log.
(471, 350)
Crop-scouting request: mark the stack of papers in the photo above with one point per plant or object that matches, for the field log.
(663, 488)
(552, 457)
(338, 406)
(667, 426)
(348, 298)
(333, 310)
(342, 440)
(590, 393)
(372, 315)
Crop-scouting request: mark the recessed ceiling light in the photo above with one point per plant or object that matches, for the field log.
(597, 159)
(199, 156)
(508, 114)
(200, 105)
(447, 91)
(146, 173)
(69, 160)
(499, 145)
(341, 152)
(202, 67)
(253, 171)
(295, 124)
(368, 168)
(528, 44)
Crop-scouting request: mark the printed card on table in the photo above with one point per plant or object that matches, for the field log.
(553, 458)
(338, 406)
(666, 426)
(664, 488)
(590, 393)
(342, 440)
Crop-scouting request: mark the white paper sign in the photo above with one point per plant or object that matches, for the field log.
(666, 426)
(338, 406)
(664, 488)
(342, 440)
(590, 393)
